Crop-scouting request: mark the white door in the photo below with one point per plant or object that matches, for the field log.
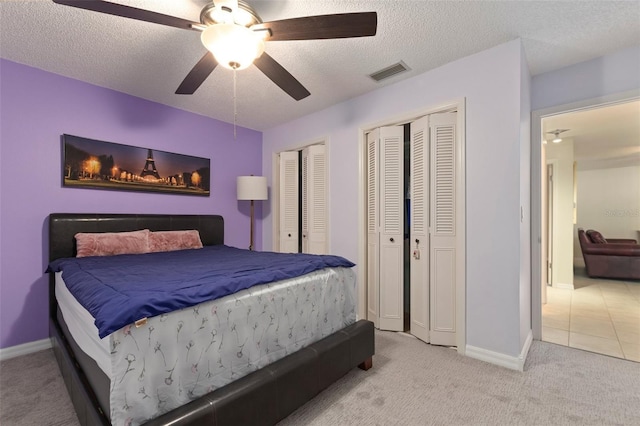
(419, 229)
(314, 203)
(391, 261)
(289, 202)
(442, 262)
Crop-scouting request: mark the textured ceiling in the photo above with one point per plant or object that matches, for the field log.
(149, 60)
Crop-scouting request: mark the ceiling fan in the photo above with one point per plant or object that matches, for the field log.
(234, 34)
(556, 134)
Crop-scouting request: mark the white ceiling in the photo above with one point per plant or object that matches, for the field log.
(149, 60)
(606, 136)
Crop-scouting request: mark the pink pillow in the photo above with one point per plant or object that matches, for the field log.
(112, 243)
(174, 240)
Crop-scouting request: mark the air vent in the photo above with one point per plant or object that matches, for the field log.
(390, 71)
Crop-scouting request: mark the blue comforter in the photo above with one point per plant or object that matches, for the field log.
(119, 290)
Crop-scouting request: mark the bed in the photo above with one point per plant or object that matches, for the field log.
(263, 395)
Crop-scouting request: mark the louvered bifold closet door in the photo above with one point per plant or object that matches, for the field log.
(443, 229)
(391, 196)
(419, 228)
(373, 229)
(289, 206)
(314, 204)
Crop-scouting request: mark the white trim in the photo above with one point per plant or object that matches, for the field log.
(564, 286)
(408, 117)
(502, 360)
(275, 207)
(361, 308)
(461, 233)
(24, 349)
(459, 105)
(536, 194)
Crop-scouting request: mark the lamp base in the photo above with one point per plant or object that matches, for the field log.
(251, 233)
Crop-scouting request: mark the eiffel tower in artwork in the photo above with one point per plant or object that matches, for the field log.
(150, 166)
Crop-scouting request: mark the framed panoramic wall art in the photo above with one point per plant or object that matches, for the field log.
(89, 163)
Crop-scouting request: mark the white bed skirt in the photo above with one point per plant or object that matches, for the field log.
(178, 357)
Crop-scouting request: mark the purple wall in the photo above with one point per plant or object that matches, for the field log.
(36, 107)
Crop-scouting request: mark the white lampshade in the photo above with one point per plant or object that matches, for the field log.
(233, 46)
(252, 188)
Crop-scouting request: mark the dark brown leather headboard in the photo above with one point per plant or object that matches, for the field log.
(63, 227)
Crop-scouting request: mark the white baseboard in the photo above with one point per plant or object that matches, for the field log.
(565, 286)
(24, 349)
(502, 360)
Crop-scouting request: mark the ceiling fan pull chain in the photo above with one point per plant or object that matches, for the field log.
(235, 106)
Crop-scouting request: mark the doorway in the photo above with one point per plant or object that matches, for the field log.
(300, 197)
(593, 314)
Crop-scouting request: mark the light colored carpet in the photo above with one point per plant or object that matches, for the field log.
(411, 383)
(33, 393)
(416, 384)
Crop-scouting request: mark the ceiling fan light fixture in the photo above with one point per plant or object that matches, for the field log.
(221, 15)
(244, 18)
(556, 135)
(233, 46)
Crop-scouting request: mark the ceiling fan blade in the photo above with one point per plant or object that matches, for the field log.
(281, 77)
(341, 25)
(130, 12)
(197, 75)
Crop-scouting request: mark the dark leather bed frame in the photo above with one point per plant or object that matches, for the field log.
(260, 398)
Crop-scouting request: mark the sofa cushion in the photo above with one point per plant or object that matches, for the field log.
(596, 237)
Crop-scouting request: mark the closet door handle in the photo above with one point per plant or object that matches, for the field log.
(417, 241)
(391, 239)
(289, 234)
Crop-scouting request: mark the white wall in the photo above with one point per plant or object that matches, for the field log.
(491, 82)
(609, 201)
(614, 73)
(561, 155)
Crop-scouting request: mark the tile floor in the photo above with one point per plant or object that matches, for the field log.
(598, 315)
